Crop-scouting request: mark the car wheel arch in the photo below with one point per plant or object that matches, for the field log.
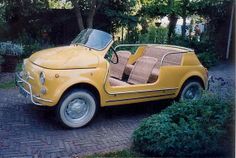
(195, 78)
(189, 78)
(83, 85)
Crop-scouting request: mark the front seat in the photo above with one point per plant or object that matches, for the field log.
(117, 70)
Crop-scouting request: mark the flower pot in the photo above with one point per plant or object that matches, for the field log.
(9, 64)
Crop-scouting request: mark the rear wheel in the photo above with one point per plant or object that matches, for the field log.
(191, 90)
(77, 108)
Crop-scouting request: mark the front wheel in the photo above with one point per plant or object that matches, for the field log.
(77, 108)
(191, 90)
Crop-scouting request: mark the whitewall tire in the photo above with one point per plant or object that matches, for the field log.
(77, 108)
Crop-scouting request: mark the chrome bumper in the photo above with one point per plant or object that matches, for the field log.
(19, 81)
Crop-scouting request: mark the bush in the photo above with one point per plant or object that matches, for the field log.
(2, 14)
(193, 128)
(204, 49)
(10, 49)
(31, 45)
(181, 41)
(154, 35)
(199, 46)
(208, 59)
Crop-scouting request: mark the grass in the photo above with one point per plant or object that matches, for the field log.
(11, 83)
(117, 154)
(7, 85)
(18, 67)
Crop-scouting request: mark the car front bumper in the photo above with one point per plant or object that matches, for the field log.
(20, 83)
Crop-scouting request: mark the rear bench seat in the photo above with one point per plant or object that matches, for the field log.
(158, 53)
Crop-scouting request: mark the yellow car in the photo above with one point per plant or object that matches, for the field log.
(90, 73)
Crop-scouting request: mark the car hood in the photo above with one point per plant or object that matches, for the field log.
(67, 57)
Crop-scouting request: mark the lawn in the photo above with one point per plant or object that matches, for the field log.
(7, 85)
(117, 154)
(10, 83)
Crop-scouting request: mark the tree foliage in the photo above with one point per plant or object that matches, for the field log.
(59, 4)
(117, 11)
(2, 14)
(171, 8)
(25, 7)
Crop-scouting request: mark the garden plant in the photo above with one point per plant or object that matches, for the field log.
(10, 53)
(190, 128)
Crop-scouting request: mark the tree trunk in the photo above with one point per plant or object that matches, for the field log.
(184, 16)
(190, 29)
(91, 14)
(184, 27)
(173, 20)
(78, 15)
(92, 11)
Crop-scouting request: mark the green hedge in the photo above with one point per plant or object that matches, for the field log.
(194, 128)
(208, 59)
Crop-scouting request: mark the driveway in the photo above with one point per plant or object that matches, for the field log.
(30, 131)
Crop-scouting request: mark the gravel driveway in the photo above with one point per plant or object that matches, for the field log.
(30, 131)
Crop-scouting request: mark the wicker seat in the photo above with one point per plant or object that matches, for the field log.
(139, 74)
(117, 70)
(158, 53)
(142, 70)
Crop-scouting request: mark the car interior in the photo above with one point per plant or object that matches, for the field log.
(145, 69)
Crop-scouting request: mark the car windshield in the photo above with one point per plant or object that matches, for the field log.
(94, 39)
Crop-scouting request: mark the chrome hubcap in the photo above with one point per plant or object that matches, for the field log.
(76, 109)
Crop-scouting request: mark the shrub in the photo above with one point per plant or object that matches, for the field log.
(31, 45)
(2, 14)
(193, 128)
(161, 35)
(208, 59)
(154, 35)
(180, 41)
(31, 48)
(199, 46)
(204, 49)
(10, 49)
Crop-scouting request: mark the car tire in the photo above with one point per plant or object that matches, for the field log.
(191, 90)
(77, 108)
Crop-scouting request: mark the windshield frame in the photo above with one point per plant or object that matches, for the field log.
(74, 41)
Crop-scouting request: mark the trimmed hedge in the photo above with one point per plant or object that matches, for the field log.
(192, 128)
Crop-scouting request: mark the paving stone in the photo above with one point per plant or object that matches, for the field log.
(30, 131)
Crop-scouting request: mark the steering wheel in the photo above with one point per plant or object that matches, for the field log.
(110, 58)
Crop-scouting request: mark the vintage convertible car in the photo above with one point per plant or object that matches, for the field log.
(90, 73)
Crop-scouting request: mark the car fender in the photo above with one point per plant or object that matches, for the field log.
(188, 76)
(70, 83)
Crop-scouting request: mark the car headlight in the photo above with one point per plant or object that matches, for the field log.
(42, 78)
